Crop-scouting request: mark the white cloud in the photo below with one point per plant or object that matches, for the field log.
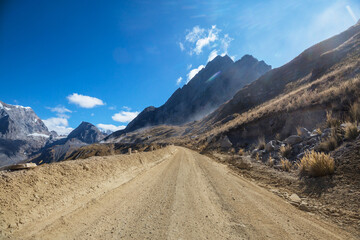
(352, 14)
(60, 111)
(189, 67)
(179, 80)
(225, 43)
(205, 41)
(112, 108)
(109, 127)
(195, 34)
(84, 101)
(198, 38)
(124, 116)
(92, 114)
(127, 108)
(212, 55)
(193, 72)
(59, 125)
(181, 45)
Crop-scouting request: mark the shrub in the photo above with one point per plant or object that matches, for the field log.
(316, 164)
(285, 164)
(261, 143)
(355, 112)
(278, 136)
(285, 151)
(318, 130)
(331, 121)
(298, 131)
(241, 152)
(331, 142)
(271, 161)
(351, 131)
(257, 157)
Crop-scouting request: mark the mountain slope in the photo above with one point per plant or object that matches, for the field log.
(21, 133)
(86, 133)
(212, 86)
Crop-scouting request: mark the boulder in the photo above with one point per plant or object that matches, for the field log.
(293, 139)
(270, 146)
(225, 142)
(305, 132)
(295, 198)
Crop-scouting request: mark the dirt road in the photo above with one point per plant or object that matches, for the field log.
(185, 196)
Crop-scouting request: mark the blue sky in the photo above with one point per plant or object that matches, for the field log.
(104, 61)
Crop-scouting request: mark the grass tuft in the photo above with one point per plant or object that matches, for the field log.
(316, 164)
(351, 131)
(285, 165)
(285, 151)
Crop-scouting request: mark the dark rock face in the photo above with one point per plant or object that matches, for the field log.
(211, 87)
(21, 133)
(87, 133)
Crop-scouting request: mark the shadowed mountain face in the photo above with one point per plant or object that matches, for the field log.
(21, 133)
(87, 133)
(211, 87)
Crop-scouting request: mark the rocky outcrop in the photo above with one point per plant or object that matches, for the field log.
(21, 133)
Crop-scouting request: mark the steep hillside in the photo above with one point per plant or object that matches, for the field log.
(21, 133)
(212, 86)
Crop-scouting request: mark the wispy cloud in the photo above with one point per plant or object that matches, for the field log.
(181, 45)
(60, 111)
(124, 116)
(193, 72)
(179, 80)
(189, 66)
(59, 125)
(212, 55)
(127, 108)
(84, 101)
(109, 127)
(352, 14)
(197, 39)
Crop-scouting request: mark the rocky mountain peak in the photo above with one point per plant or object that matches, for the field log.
(86, 132)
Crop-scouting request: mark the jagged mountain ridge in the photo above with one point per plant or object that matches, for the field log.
(21, 133)
(212, 86)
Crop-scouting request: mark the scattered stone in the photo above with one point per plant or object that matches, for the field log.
(225, 142)
(293, 139)
(303, 207)
(305, 132)
(295, 198)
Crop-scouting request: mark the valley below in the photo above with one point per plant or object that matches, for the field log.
(169, 193)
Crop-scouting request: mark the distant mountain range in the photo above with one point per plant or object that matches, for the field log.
(24, 135)
(206, 91)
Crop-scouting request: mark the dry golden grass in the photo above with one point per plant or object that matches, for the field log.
(285, 164)
(316, 164)
(285, 151)
(241, 152)
(332, 122)
(318, 130)
(355, 112)
(257, 157)
(332, 142)
(271, 161)
(351, 131)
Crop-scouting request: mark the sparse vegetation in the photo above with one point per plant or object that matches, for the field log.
(316, 164)
(332, 122)
(241, 152)
(285, 151)
(351, 131)
(261, 143)
(318, 130)
(257, 157)
(355, 112)
(271, 161)
(330, 143)
(278, 136)
(285, 164)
